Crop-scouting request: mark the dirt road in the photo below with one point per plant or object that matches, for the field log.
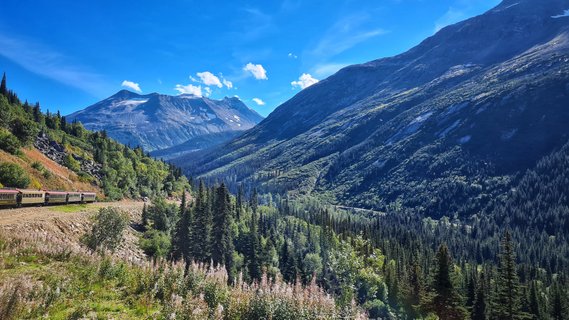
(67, 224)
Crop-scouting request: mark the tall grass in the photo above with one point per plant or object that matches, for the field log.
(75, 283)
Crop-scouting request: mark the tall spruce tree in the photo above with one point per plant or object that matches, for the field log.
(3, 86)
(254, 201)
(254, 249)
(558, 303)
(144, 217)
(445, 302)
(507, 300)
(414, 290)
(201, 226)
(535, 308)
(479, 306)
(287, 263)
(181, 241)
(222, 248)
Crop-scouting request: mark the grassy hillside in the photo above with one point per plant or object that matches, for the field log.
(43, 151)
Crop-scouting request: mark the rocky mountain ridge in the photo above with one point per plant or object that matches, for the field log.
(156, 121)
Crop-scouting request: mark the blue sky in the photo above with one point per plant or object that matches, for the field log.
(71, 54)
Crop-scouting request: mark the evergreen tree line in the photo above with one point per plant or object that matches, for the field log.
(393, 275)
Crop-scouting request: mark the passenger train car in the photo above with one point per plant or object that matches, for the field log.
(21, 197)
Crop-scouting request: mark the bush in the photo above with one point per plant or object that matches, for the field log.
(8, 142)
(12, 175)
(107, 230)
(38, 166)
(71, 163)
(25, 130)
(155, 243)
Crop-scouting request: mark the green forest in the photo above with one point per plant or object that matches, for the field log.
(394, 268)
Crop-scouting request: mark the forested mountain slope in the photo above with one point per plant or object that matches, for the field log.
(44, 151)
(177, 124)
(441, 128)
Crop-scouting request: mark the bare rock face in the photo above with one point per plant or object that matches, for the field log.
(162, 122)
(57, 153)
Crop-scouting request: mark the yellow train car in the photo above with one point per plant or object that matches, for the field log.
(55, 197)
(31, 197)
(88, 197)
(73, 197)
(9, 197)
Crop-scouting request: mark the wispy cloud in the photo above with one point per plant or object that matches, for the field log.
(131, 85)
(326, 69)
(45, 61)
(304, 81)
(258, 101)
(256, 70)
(345, 34)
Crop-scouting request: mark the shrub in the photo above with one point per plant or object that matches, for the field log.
(25, 130)
(35, 184)
(71, 163)
(38, 166)
(8, 142)
(155, 243)
(12, 175)
(107, 230)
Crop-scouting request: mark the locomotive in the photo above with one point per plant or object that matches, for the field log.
(22, 197)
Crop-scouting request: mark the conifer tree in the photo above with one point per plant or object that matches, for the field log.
(507, 300)
(446, 302)
(201, 226)
(287, 263)
(479, 306)
(534, 303)
(144, 220)
(414, 290)
(254, 201)
(181, 242)
(3, 86)
(558, 304)
(222, 248)
(254, 250)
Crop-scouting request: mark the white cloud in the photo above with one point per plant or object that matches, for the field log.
(258, 101)
(256, 70)
(131, 85)
(209, 79)
(207, 91)
(304, 81)
(228, 83)
(189, 89)
(292, 55)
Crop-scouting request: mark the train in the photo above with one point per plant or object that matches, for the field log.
(22, 197)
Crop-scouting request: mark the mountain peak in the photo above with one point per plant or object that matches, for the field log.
(158, 121)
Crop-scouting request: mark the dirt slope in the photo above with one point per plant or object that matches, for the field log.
(67, 224)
